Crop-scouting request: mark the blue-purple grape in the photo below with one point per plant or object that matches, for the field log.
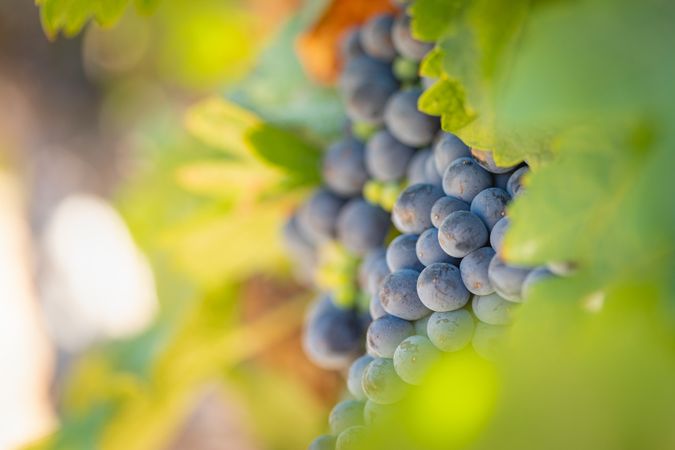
(464, 179)
(440, 288)
(401, 253)
(361, 226)
(406, 122)
(486, 160)
(367, 103)
(353, 438)
(412, 210)
(317, 217)
(515, 184)
(381, 384)
(444, 206)
(332, 335)
(497, 234)
(376, 37)
(413, 358)
(448, 148)
(386, 158)
(362, 70)
(507, 280)
(429, 251)
(405, 44)
(450, 331)
(461, 233)
(385, 333)
(431, 173)
(355, 375)
(323, 442)
(490, 205)
(347, 413)
(399, 298)
(375, 308)
(474, 271)
(493, 309)
(417, 165)
(344, 167)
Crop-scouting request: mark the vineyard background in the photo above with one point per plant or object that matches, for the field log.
(201, 124)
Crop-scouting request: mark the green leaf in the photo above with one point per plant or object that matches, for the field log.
(286, 151)
(70, 16)
(434, 18)
(447, 99)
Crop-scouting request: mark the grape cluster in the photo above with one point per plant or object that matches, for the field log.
(433, 283)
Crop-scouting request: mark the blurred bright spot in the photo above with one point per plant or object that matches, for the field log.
(206, 46)
(26, 364)
(456, 401)
(594, 302)
(99, 285)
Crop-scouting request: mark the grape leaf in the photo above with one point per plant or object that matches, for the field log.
(70, 16)
(230, 127)
(435, 18)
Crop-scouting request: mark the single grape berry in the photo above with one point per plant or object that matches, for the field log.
(403, 41)
(368, 265)
(413, 358)
(450, 331)
(355, 375)
(399, 298)
(344, 167)
(447, 149)
(401, 253)
(486, 160)
(440, 288)
(515, 184)
(507, 280)
(324, 442)
(381, 383)
(431, 173)
(386, 158)
(361, 70)
(332, 335)
(412, 210)
(378, 271)
(416, 172)
(385, 333)
(464, 179)
(361, 226)
(429, 251)
(492, 309)
(345, 414)
(375, 308)
(318, 215)
(474, 271)
(497, 234)
(461, 233)
(376, 37)
(353, 438)
(490, 205)
(368, 101)
(405, 121)
(444, 206)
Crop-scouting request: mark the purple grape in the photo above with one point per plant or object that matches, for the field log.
(405, 44)
(399, 298)
(490, 205)
(386, 158)
(401, 253)
(429, 251)
(344, 167)
(444, 206)
(461, 233)
(474, 271)
(464, 179)
(447, 149)
(412, 210)
(507, 280)
(440, 288)
(376, 37)
(385, 333)
(406, 122)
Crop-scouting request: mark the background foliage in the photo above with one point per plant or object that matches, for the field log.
(581, 90)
